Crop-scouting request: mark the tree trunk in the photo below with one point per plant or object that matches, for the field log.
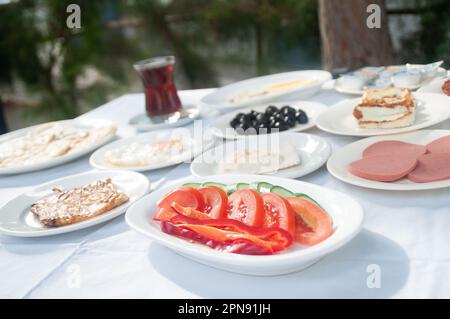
(347, 42)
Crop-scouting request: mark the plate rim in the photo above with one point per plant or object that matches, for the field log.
(343, 103)
(107, 216)
(368, 184)
(327, 76)
(64, 158)
(327, 145)
(94, 164)
(218, 132)
(313, 252)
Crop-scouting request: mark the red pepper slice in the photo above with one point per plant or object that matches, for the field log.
(229, 235)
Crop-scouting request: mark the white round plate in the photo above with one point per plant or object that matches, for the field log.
(143, 123)
(434, 86)
(339, 160)
(431, 109)
(341, 89)
(219, 99)
(222, 129)
(312, 150)
(80, 122)
(193, 145)
(346, 213)
(16, 218)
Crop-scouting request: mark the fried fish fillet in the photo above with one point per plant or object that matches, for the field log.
(78, 204)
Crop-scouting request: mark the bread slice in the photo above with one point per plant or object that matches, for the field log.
(78, 204)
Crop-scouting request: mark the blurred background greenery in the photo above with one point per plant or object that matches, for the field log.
(48, 71)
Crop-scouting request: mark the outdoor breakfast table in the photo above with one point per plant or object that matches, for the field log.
(402, 251)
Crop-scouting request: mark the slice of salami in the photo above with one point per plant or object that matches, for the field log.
(431, 167)
(441, 145)
(395, 148)
(383, 168)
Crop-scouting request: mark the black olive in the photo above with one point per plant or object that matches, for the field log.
(234, 122)
(262, 118)
(272, 121)
(287, 110)
(301, 117)
(289, 121)
(278, 116)
(271, 109)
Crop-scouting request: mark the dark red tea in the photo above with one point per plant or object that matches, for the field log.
(161, 96)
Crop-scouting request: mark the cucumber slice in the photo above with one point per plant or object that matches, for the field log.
(230, 188)
(192, 185)
(242, 186)
(308, 198)
(281, 191)
(264, 187)
(220, 185)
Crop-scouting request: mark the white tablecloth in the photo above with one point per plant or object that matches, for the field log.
(402, 252)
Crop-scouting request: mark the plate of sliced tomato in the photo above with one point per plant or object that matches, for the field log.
(250, 224)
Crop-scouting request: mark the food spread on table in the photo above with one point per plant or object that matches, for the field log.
(262, 160)
(142, 154)
(272, 119)
(244, 218)
(385, 109)
(49, 141)
(401, 76)
(65, 207)
(390, 161)
(287, 85)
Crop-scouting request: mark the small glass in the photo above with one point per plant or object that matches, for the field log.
(161, 97)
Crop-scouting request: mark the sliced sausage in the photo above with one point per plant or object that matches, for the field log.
(383, 168)
(395, 148)
(431, 167)
(446, 87)
(441, 145)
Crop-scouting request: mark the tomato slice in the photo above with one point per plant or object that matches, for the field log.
(216, 201)
(184, 196)
(313, 224)
(247, 206)
(278, 213)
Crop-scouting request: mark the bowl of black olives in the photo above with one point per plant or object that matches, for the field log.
(272, 119)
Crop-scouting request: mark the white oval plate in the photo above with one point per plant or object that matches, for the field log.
(434, 86)
(194, 146)
(219, 98)
(338, 162)
(346, 213)
(16, 218)
(312, 150)
(341, 89)
(80, 122)
(338, 119)
(221, 126)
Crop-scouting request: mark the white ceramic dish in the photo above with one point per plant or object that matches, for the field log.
(424, 82)
(81, 122)
(312, 150)
(143, 123)
(434, 86)
(338, 119)
(339, 160)
(193, 147)
(346, 213)
(221, 125)
(219, 99)
(16, 218)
